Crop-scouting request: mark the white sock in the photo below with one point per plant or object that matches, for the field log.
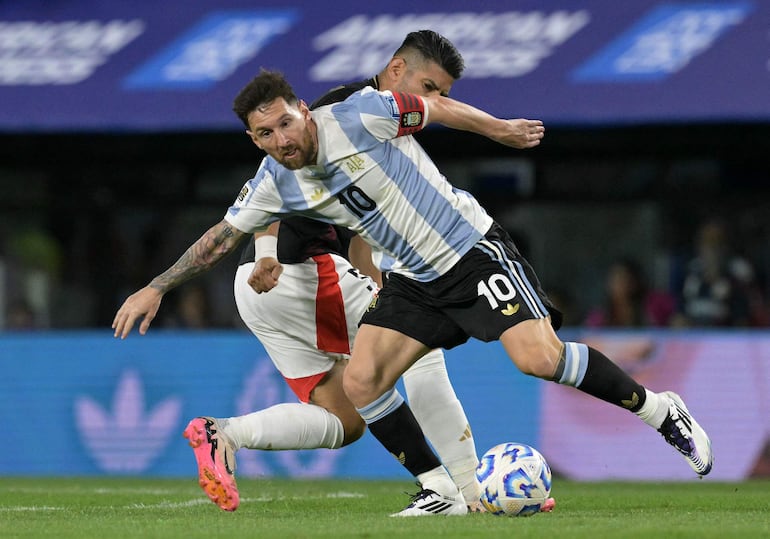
(286, 426)
(654, 410)
(438, 480)
(442, 418)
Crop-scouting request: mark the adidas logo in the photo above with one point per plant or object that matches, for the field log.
(510, 310)
(126, 439)
(631, 402)
(436, 507)
(683, 416)
(430, 501)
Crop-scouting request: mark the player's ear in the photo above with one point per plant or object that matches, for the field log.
(395, 70)
(253, 138)
(304, 109)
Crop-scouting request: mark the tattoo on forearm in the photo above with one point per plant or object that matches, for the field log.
(201, 256)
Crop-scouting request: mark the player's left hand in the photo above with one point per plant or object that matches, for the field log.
(264, 276)
(142, 304)
(522, 133)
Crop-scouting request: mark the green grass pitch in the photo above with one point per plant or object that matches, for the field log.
(276, 508)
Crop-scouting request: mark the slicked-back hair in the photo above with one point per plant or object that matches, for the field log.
(262, 90)
(434, 47)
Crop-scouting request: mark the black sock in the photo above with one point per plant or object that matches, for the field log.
(605, 380)
(400, 434)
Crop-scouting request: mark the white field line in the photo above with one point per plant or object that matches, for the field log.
(30, 508)
(100, 490)
(201, 500)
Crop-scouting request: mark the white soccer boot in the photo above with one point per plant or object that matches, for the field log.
(682, 431)
(429, 502)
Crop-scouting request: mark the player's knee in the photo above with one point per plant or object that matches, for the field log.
(538, 364)
(354, 428)
(534, 348)
(356, 386)
(537, 358)
(364, 385)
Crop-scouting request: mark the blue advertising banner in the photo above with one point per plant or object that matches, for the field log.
(84, 403)
(89, 65)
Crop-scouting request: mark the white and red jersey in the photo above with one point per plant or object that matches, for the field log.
(377, 182)
(310, 319)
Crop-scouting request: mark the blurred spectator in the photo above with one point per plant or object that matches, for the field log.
(192, 309)
(20, 316)
(628, 301)
(720, 288)
(32, 260)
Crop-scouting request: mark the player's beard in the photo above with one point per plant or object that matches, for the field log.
(302, 154)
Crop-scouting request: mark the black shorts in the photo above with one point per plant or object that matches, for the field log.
(490, 289)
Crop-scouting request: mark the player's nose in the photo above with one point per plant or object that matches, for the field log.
(282, 139)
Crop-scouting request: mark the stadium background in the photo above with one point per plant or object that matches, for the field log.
(118, 149)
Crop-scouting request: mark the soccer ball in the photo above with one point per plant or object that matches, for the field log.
(515, 480)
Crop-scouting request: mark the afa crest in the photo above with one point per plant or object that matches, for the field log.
(411, 119)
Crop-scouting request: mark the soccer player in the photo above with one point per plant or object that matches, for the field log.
(308, 322)
(453, 272)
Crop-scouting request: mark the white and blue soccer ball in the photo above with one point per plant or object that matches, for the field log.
(515, 480)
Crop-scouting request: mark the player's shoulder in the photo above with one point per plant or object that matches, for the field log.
(268, 170)
(340, 93)
(366, 102)
(370, 101)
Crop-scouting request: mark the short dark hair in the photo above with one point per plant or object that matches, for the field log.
(263, 89)
(435, 47)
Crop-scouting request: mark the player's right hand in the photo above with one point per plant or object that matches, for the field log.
(522, 133)
(143, 303)
(264, 276)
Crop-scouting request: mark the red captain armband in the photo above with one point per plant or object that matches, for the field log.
(411, 113)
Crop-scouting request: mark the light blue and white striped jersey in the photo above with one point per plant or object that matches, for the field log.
(375, 181)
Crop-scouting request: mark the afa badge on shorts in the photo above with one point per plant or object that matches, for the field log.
(373, 303)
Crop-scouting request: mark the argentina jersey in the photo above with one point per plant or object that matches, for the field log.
(374, 179)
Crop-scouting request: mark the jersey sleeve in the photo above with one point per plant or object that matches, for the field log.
(256, 205)
(387, 115)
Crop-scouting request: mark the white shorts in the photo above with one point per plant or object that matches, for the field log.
(310, 319)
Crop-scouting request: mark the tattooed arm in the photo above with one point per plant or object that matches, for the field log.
(201, 256)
